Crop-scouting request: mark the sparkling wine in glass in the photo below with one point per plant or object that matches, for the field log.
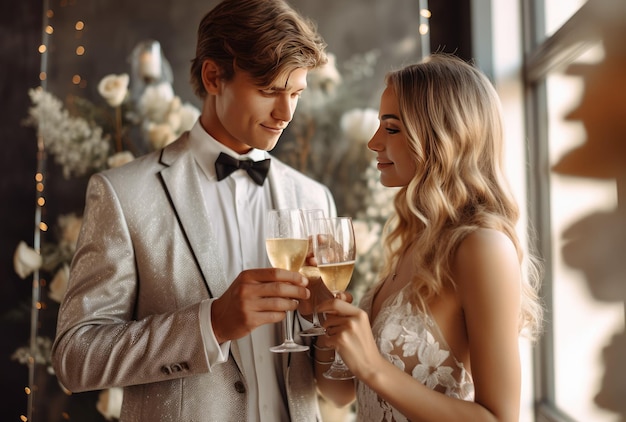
(286, 243)
(335, 252)
(312, 273)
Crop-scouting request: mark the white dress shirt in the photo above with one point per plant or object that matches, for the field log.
(237, 208)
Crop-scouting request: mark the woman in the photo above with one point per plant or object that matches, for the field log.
(455, 290)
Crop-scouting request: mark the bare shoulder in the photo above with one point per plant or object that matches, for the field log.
(483, 244)
(485, 256)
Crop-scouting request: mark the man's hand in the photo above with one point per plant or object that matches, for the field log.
(256, 297)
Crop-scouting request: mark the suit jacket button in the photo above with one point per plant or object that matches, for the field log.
(239, 387)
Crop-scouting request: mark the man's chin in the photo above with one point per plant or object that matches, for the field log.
(269, 146)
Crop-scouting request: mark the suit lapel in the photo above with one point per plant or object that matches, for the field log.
(182, 183)
(282, 186)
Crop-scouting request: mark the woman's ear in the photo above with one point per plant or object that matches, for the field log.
(210, 76)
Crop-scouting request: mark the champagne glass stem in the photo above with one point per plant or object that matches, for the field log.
(338, 370)
(338, 362)
(316, 319)
(316, 329)
(289, 327)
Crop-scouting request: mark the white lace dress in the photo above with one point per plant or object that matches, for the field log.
(413, 342)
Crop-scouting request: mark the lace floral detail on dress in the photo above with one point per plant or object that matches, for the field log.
(412, 341)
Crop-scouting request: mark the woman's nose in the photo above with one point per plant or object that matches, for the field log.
(374, 144)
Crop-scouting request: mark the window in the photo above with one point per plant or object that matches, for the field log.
(573, 205)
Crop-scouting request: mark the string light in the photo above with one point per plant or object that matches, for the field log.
(41, 226)
(78, 80)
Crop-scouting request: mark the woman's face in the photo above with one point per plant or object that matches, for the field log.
(390, 143)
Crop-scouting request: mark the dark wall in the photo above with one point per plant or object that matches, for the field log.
(450, 27)
(20, 35)
(113, 29)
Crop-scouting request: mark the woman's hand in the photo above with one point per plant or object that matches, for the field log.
(348, 330)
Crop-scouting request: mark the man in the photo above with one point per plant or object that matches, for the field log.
(171, 295)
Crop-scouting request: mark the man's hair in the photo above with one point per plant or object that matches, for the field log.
(266, 38)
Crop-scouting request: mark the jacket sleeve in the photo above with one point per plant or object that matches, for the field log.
(102, 339)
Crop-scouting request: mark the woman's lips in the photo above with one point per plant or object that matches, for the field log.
(384, 164)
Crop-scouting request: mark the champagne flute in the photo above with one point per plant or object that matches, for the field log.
(312, 272)
(335, 252)
(286, 243)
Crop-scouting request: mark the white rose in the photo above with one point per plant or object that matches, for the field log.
(26, 260)
(188, 116)
(120, 158)
(160, 135)
(113, 88)
(58, 285)
(326, 78)
(182, 117)
(155, 102)
(359, 125)
(70, 225)
(110, 403)
(173, 116)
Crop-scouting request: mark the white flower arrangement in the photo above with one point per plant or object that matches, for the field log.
(86, 138)
(78, 146)
(41, 354)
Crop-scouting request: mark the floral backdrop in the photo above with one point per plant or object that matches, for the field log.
(137, 111)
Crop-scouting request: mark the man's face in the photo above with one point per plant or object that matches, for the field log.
(245, 116)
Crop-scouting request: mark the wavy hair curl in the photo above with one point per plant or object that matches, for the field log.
(453, 119)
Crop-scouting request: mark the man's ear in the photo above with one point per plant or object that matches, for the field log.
(210, 76)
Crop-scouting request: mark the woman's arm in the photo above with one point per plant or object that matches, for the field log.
(488, 276)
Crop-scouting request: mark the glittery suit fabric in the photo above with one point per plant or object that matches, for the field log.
(144, 261)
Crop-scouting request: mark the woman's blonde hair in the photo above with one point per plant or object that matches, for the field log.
(452, 116)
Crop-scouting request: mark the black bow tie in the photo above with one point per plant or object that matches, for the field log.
(225, 165)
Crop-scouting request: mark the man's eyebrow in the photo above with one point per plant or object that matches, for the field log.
(279, 88)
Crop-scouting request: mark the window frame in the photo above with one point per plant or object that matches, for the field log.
(542, 56)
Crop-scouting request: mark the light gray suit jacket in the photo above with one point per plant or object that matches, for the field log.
(145, 259)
